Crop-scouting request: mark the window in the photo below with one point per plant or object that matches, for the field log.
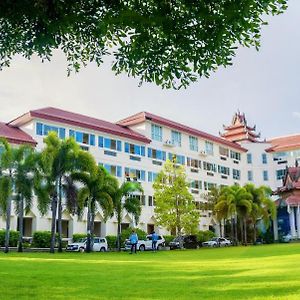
(209, 166)
(156, 132)
(151, 176)
(43, 129)
(265, 175)
(236, 174)
(135, 174)
(135, 149)
(264, 158)
(156, 154)
(109, 143)
(235, 155)
(81, 137)
(196, 184)
(223, 170)
(223, 151)
(250, 176)
(193, 143)
(150, 201)
(113, 170)
(208, 186)
(194, 163)
(280, 174)
(209, 148)
(179, 159)
(249, 158)
(176, 138)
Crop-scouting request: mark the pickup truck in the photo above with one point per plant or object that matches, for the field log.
(146, 244)
(98, 244)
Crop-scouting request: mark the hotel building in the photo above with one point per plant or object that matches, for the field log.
(135, 148)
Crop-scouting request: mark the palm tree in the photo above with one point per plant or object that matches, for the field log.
(123, 200)
(98, 188)
(14, 169)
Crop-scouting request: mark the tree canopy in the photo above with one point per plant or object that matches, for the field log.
(168, 42)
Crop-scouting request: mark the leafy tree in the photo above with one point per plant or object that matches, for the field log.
(174, 203)
(14, 182)
(123, 200)
(168, 42)
(98, 188)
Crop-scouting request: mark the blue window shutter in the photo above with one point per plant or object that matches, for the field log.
(164, 155)
(62, 133)
(170, 155)
(143, 150)
(39, 128)
(79, 136)
(143, 175)
(149, 152)
(119, 145)
(119, 171)
(137, 149)
(159, 154)
(92, 139)
(126, 147)
(100, 141)
(107, 143)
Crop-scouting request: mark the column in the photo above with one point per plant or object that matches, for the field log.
(275, 229)
(292, 222)
(298, 222)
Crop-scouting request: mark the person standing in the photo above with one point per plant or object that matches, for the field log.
(133, 241)
(154, 240)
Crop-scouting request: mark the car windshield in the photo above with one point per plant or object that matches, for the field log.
(81, 240)
(178, 239)
(214, 239)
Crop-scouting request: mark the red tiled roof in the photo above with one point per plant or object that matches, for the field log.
(284, 143)
(15, 135)
(66, 117)
(142, 116)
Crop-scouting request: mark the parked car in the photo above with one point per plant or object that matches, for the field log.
(217, 242)
(146, 244)
(188, 242)
(98, 244)
(287, 238)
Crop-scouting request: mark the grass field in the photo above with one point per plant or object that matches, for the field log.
(261, 272)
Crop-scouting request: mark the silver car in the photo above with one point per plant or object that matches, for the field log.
(217, 242)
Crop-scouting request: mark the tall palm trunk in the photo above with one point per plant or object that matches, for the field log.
(7, 231)
(245, 230)
(59, 217)
(88, 229)
(53, 221)
(119, 230)
(221, 233)
(235, 231)
(232, 230)
(242, 230)
(21, 217)
(254, 232)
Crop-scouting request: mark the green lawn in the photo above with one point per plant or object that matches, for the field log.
(261, 272)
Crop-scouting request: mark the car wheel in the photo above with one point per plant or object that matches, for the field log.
(102, 249)
(81, 249)
(159, 247)
(142, 248)
(214, 245)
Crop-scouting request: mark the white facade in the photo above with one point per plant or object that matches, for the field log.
(214, 162)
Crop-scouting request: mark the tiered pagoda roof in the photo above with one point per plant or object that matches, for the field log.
(239, 130)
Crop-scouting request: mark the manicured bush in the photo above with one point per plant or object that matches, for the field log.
(13, 238)
(127, 232)
(111, 241)
(41, 239)
(204, 235)
(168, 239)
(78, 236)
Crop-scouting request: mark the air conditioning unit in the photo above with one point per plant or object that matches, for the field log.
(169, 143)
(202, 153)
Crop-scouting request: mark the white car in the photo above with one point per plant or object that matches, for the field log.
(217, 242)
(146, 244)
(98, 244)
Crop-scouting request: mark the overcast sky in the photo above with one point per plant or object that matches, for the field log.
(265, 85)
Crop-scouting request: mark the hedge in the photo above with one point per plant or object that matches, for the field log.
(41, 239)
(168, 239)
(78, 236)
(127, 232)
(13, 238)
(111, 241)
(204, 235)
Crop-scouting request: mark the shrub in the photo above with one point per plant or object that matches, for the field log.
(41, 239)
(78, 236)
(168, 239)
(13, 238)
(127, 232)
(204, 235)
(111, 241)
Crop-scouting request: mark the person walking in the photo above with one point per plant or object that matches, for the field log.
(133, 241)
(154, 240)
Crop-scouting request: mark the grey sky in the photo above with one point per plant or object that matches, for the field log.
(265, 85)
